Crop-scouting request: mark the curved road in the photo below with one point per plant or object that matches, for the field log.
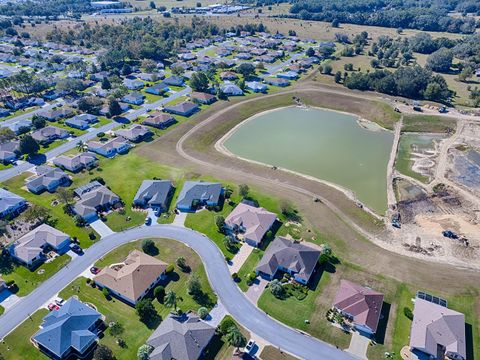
(236, 303)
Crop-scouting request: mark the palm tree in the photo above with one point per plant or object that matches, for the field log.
(171, 299)
(82, 146)
(236, 338)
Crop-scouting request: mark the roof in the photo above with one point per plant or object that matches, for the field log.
(202, 96)
(71, 162)
(9, 199)
(90, 201)
(256, 220)
(8, 149)
(45, 176)
(182, 107)
(364, 304)
(291, 255)
(48, 132)
(180, 338)
(133, 132)
(437, 325)
(202, 191)
(30, 245)
(113, 143)
(158, 118)
(130, 279)
(68, 327)
(154, 191)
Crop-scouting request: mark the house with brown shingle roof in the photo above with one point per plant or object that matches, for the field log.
(361, 304)
(159, 120)
(134, 278)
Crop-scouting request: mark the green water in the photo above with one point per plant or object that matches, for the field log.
(324, 144)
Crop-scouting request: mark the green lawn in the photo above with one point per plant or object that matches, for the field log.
(248, 266)
(272, 353)
(403, 163)
(428, 123)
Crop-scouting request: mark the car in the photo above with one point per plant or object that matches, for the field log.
(53, 306)
(250, 346)
(76, 249)
(59, 301)
(148, 221)
(94, 270)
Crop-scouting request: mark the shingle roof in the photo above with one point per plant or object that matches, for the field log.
(202, 191)
(49, 132)
(437, 325)
(133, 132)
(71, 162)
(256, 221)
(8, 149)
(364, 304)
(45, 176)
(8, 200)
(182, 107)
(297, 257)
(68, 327)
(154, 191)
(137, 274)
(180, 338)
(100, 196)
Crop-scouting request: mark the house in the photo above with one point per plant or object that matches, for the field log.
(11, 204)
(152, 76)
(283, 255)
(97, 198)
(134, 278)
(55, 115)
(133, 84)
(134, 98)
(54, 94)
(89, 118)
(289, 75)
(186, 108)
(252, 222)
(69, 332)
(47, 179)
(49, 134)
(196, 193)
(3, 284)
(174, 81)
(8, 151)
(180, 337)
(85, 160)
(277, 82)
(244, 56)
(100, 76)
(437, 332)
(361, 304)
(134, 133)
(20, 126)
(159, 120)
(157, 89)
(109, 148)
(256, 86)
(30, 249)
(228, 75)
(4, 112)
(77, 123)
(230, 89)
(203, 98)
(154, 193)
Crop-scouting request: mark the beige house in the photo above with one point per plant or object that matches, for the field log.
(132, 279)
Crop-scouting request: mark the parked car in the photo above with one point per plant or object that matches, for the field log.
(148, 221)
(59, 301)
(53, 306)
(94, 270)
(76, 249)
(250, 346)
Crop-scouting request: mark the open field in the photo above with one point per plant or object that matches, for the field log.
(403, 162)
(428, 124)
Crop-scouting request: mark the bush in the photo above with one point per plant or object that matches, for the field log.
(89, 280)
(92, 235)
(408, 312)
(226, 324)
(149, 247)
(203, 313)
(170, 269)
(101, 134)
(159, 293)
(144, 351)
(106, 293)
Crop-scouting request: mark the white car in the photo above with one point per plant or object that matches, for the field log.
(250, 346)
(59, 301)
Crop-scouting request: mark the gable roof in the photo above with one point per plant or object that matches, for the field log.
(91, 200)
(364, 304)
(138, 272)
(133, 132)
(153, 191)
(181, 337)
(9, 200)
(256, 220)
(434, 325)
(46, 175)
(71, 162)
(197, 190)
(48, 133)
(68, 327)
(297, 257)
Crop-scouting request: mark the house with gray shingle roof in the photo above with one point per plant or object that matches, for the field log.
(299, 260)
(196, 193)
(93, 199)
(8, 151)
(134, 133)
(11, 204)
(19, 126)
(154, 193)
(49, 133)
(186, 108)
(29, 249)
(159, 120)
(86, 160)
(71, 331)
(47, 178)
(180, 337)
(109, 148)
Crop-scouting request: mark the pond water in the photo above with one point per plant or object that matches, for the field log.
(325, 144)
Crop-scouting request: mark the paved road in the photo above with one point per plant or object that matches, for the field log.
(235, 302)
(18, 169)
(29, 114)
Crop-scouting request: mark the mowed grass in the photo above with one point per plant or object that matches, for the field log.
(428, 123)
(248, 266)
(272, 353)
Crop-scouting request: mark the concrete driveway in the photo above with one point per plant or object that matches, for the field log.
(256, 290)
(240, 258)
(101, 228)
(179, 219)
(359, 345)
(8, 300)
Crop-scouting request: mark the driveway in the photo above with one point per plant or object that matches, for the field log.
(179, 219)
(216, 314)
(101, 228)
(235, 302)
(256, 290)
(240, 258)
(359, 345)
(8, 300)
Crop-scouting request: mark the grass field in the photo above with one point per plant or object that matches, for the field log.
(428, 123)
(403, 163)
(272, 353)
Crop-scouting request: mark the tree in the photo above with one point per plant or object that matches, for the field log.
(149, 247)
(235, 338)
(327, 69)
(149, 65)
(203, 313)
(6, 134)
(144, 351)
(90, 104)
(229, 243)
(194, 286)
(106, 84)
(310, 52)
(277, 289)
(116, 329)
(199, 81)
(246, 69)
(220, 222)
(159, 293)
(243, 190)
(182, 264)
(82, 146)
(65, 196)
(466, 73)
(103, 352)
(440, 60)
(145, 310)
(152, 5)
(170, 299)
(36, 213)
(338, 76)
(335, 23)
(69, 85)
(114, 108)
(28, 145)
(38, 122)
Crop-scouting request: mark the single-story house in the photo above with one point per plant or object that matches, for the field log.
(29, 249)
(89, 118)
(180, 337)
(109, 148)
(152, 76)
(297, 259)
(244, 56)
(134, 98)
(159, 120)
(86, 160)
(228, 75)
(19, 126)
(98, 198)
(230, 89)
(100, 76)
(133, 84)
(198, 193)
(11, 204)
(186, 108)
(361, 304)
(157, 89)
(187, 56)
(54, 94)
(203, 98)
(289, 75)
(277, 82)
(54, 115)
(106, 110)
(154, 193)
(134, 278)
(77, 124)
(49, 134)
(47, 179)
(8, 151)
(256, 86)
(134, 133)
(437, 331)
(174, 81)
(251, 222)
(71, 331)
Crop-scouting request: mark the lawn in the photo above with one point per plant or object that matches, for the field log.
(428, 124)
(249, 266)
(272, 353)
(403, 162)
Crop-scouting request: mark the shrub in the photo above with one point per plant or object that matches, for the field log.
(170, 269)
(106, 293)
(89, 280)
(144, 351)
(226, 324)
(92, 235)
(159, 293)
(203, 313)
(408, 312)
